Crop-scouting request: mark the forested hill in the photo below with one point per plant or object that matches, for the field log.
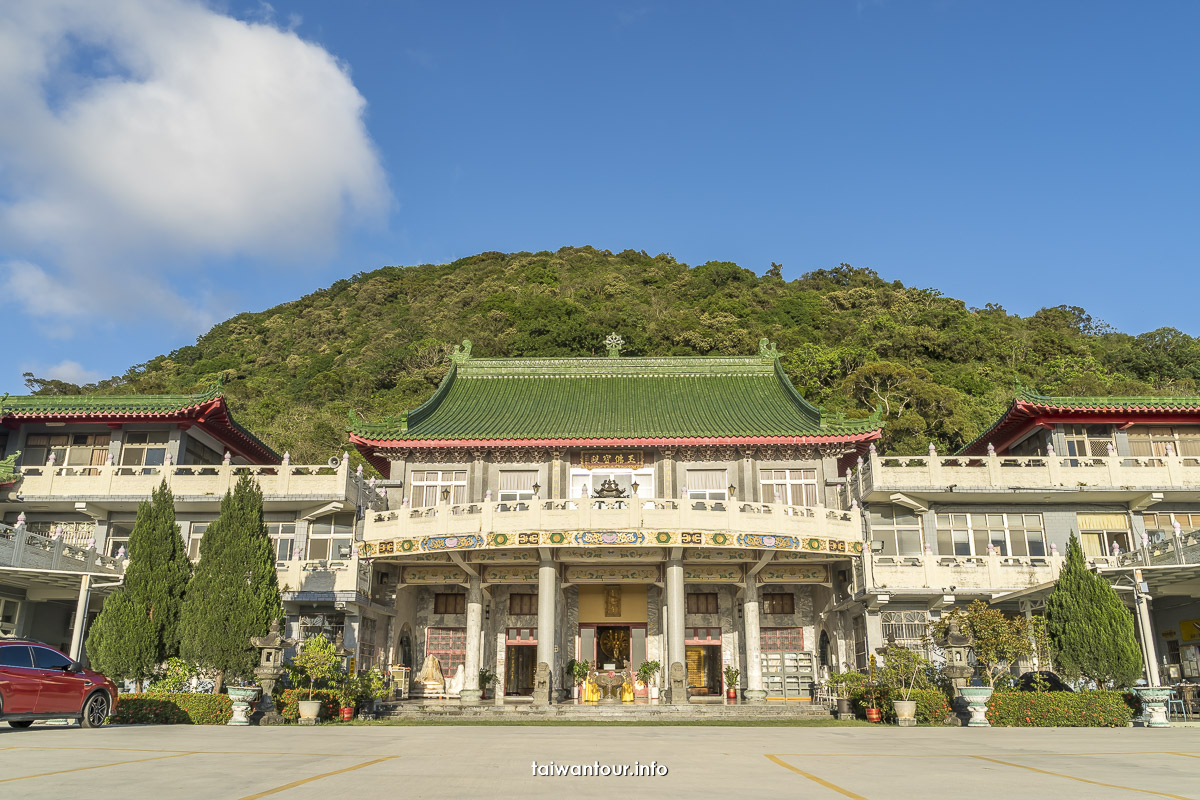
(377, 343)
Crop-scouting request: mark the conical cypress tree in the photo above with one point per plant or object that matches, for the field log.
(1090, 626)
(235, 593)
(155, 582)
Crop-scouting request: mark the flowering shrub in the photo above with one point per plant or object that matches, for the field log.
(290, 707)
(172, 708)
(932, 705)
(1059, 709)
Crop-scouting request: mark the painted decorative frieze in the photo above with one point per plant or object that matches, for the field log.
(506, 556)
(794, 573)
(610, 554)
(712, 573)
(712, 554)
(614, 573)
(600, 538)
(510, 574)
(431, 574)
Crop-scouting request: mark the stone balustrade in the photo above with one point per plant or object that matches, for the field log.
(328, 577)
(24, 550)
(115, 481)
(996, 573)
(967, 473)
(730, 517)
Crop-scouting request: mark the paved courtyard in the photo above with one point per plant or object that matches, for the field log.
(160, 762)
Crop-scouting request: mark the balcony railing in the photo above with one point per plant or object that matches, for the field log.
(983, 472)
(989, 573)
(344, 575)
(637, 513)
(22, 549)
(215, 480)
(1180, 548)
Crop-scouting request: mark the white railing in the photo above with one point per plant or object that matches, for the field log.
(637, 513)
(22, 549)
(990, 572)
(113, 480)
(1181, 548)
(340, 575)
(982, 472)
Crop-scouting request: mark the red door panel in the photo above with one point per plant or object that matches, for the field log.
(61, 690)
(19, 681)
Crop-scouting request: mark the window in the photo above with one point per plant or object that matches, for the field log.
(197, 452)
(283, 539)
(791, 487)
(701, 603)
(327, 625)
(144, 448)
(195, 536)
(522, 604)
(446, 603)
(778, 603)
(331, 538)
(858, 634)
(118, 537)
(449, 646)
(1153, 440)
(1098, 533)
(368, 653)
(517, 484)
(1088, 440)
(1008, 534)
(78, 534)
(68, 449)
(427, 486)
(781, 640)
(16, 655)
(909, 628)
(45, 658)
(899, 529)
(9, 610)
(1161, 525)
(707, 484)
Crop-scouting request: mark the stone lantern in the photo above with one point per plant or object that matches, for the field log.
(269, 671)
(972, 700)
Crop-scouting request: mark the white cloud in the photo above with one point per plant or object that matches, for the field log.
(139, 140)
(69, 371)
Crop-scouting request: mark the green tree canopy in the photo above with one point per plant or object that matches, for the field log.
(235, 593)
(1090, 626)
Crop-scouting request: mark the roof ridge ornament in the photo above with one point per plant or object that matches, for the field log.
(614, 343)
(767, 349)
(462, 352)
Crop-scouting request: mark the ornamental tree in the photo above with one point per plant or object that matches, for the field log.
(1090, 626)
(235, 593)
(997, 640)
(156, 580)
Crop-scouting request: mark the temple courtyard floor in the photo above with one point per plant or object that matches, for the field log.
(161, 762)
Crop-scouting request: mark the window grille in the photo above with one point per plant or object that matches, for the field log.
(909, 629)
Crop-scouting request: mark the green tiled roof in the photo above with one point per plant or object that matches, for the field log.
(613, 398)
(73, 404)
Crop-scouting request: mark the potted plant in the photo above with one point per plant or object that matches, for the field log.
(871, 695)
(902, 668)
(319, 661)
(486, 679)
(646, 674)
(578, 671)
(844, 685)
(347, 695)
(731, 679)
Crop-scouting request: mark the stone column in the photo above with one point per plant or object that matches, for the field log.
(81, 609)
(754, 692)
(471, 693)
(675, 622)
(547, 624)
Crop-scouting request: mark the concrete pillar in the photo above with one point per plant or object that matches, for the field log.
(1146, 628)
(754, 692)
(547, 619)
(81, 609)
(471, 693)
(675, 622)
(874, 624)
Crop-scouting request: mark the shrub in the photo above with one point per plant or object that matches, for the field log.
(172, 708)
(1088, 709)
(932, 705)
(330, 703)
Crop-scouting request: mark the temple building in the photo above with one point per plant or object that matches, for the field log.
(692, 511)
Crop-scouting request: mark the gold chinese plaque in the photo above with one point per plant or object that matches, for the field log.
(607, 459)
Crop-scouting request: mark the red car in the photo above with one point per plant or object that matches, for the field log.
(38, 682)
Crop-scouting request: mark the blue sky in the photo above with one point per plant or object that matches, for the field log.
(1022, 153)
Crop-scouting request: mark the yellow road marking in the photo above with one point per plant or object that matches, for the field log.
(972, 755)
(1185, 755)
(197, 752)
(1081, 780)
(303, 781)
(811, 777)
(95, 766)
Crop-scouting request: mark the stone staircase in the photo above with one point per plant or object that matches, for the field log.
(629, 712)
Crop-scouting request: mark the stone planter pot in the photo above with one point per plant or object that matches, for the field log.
(906, 713)
(310, 710)
(653, 692)
(1154, 705)
(977, 697)
(874, 715)
(347, 713)
(242, 697)
(844, 709)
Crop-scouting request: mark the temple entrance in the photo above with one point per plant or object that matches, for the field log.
(520, 661)
(702, 652)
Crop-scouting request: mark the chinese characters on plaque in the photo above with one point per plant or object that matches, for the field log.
(607, 459)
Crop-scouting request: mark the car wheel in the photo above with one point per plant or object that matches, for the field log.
(20, 723)
(95, 711)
